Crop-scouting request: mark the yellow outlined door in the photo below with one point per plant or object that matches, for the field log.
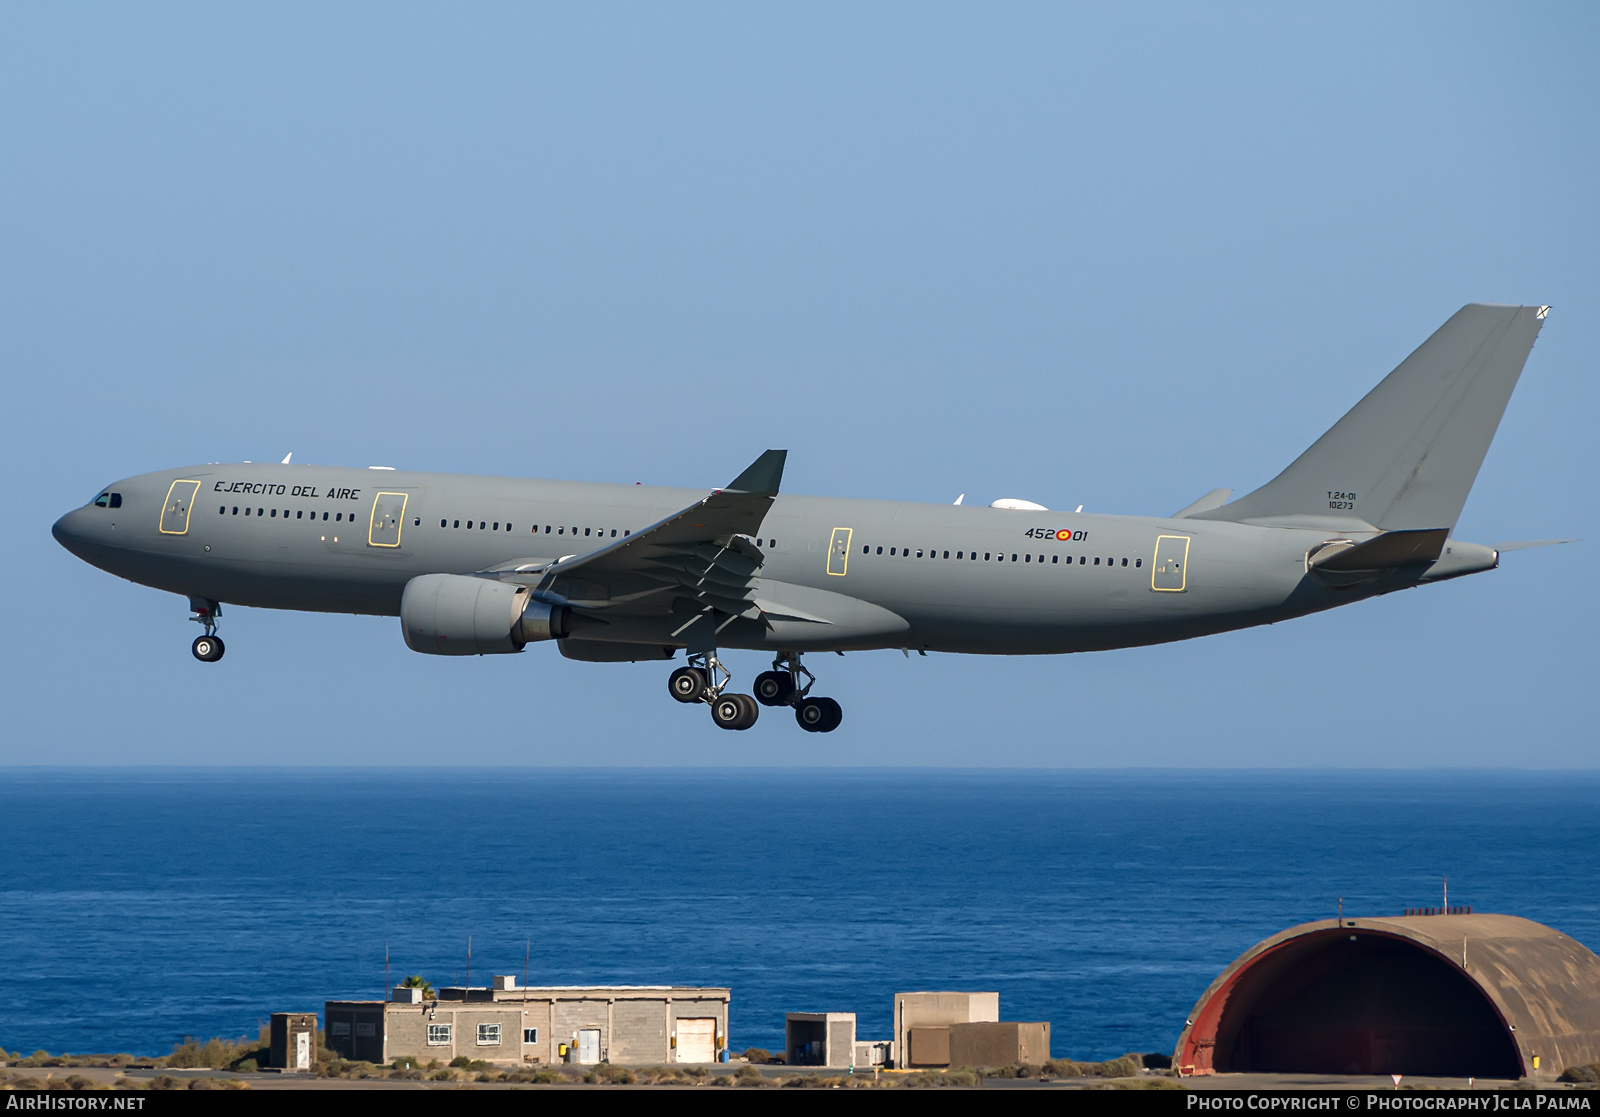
(1170, 571)
(388, 517)
(839, 551)
(180, 502)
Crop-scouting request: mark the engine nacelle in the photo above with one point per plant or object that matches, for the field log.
(452, 614)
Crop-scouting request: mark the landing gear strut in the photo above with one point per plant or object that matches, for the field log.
(704, 680)
(781, 687)
(207, 648)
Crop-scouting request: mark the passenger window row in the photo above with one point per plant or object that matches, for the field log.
(272, 513)
(482, 525)
(988, 556)
(599, 532)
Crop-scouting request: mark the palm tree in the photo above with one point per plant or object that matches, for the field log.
(415, 982)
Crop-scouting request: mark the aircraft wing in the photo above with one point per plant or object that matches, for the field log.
(700, 552)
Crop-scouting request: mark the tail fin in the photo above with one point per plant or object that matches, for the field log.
(1405, 457)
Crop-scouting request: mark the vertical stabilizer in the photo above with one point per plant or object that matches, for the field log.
(1405, 457)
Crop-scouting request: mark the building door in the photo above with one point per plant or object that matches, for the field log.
(1169, 573)
(175, 512)
(589, 1045)
(302, 1051)
(839, 551)
(388, 516)
(697, 1040)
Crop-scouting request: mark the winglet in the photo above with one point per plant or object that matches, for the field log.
(763, 476)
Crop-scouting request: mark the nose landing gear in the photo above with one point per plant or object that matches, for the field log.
(207, 648)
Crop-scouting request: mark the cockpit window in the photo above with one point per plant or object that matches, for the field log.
(108, 500)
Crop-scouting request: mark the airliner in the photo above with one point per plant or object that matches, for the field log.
(617, 573)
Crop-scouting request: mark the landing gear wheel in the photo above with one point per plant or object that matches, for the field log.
(818, 715)
(687, 684)
(734, 711)
(207, 649)
(774, 688)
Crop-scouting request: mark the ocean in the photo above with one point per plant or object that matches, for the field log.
(138, 907)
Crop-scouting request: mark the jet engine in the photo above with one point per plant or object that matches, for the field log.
(452, 614)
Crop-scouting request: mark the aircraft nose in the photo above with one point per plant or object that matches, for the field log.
(69, 531)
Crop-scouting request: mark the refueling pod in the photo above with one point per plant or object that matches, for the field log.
(454, 614)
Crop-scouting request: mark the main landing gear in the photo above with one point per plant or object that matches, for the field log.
(779, 687)
(209, 647)
(705, 679)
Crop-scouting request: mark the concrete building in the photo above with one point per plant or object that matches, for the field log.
(922, 1023)
(1450, 994)
(511, 1025)
(819, 1039)
(999, 1043)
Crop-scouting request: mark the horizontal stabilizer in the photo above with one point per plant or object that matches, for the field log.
(1391, 549)
(1530, 544)
(1216, 498)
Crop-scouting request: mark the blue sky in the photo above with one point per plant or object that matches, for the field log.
(1081, 254)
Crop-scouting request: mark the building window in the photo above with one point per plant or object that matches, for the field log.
(488, 1035)
(438, 1035)
(530, 1035)
(339, 1028)
(367, 1029)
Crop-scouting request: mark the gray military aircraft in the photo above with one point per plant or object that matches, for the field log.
(613, 573)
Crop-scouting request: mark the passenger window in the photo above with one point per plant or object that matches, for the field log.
(961, 554)
(866, 550)
(247, 511)
(1138, 562)
(947, 554)
(497, 525)
(324, 516)
(300, 515)
(223, 511)
(891, 552)
(626, 533)
(1013, 558)
(274, 513)
(235, 509)
(986, 556)
(1054, 559)
(613, 533)
(417, 522)
(1025, 558)
(586, 531)
(1124, 562)
(561, 531)
(1082, 559)
(1097, 561)
(919, 552)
